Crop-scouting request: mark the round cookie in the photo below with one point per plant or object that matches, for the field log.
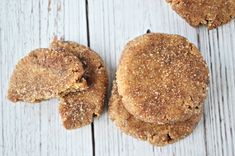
(44, 74)
(78, 109)
(207, 12)
(162, 78)
(154, 133)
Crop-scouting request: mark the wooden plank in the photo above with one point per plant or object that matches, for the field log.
(36, 129)
(20, 122)
(63, 19)
(118, 22)
(75, 29)
(220, 121)
(1, 93)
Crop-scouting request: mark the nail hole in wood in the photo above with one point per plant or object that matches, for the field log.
(148, 31)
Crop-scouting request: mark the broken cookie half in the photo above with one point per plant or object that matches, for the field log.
(45, 74)
(78, 108)
(68, 71)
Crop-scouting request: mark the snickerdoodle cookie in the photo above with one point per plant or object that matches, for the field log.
(154, 133)
(162, 78)
(212, 13)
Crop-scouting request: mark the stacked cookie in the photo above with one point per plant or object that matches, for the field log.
(66, 70)
(161, 84)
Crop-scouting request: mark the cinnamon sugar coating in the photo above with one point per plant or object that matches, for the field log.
(156, 134)
(207, 12)
(77, 109)
(162, 78)
(44, 74)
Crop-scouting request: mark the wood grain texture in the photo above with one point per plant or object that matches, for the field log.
(219, 117)
(37, 129)
(106, 26)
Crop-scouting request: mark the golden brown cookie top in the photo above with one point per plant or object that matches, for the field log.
(207, 12)
(78, 109)
(44, 74)
(154, 133)
(162, 78)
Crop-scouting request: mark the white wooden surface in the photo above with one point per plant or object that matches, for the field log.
(106, 25)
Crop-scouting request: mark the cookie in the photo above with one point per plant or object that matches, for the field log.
(162, 78)
(207, 12)
(78, 109)
(45, 74)
(154, 133)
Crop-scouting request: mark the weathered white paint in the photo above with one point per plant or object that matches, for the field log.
(220, 120)
(36, 129)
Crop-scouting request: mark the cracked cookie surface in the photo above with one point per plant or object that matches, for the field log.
(154, 133)
(44, 74)
(206, 12)
(162, 78)
(77, 109)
